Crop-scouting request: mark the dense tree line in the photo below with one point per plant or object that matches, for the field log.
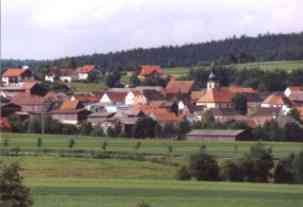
(262, 80)
(242, 49)
(257, 165)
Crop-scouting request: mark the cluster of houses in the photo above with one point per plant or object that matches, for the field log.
(22, 95)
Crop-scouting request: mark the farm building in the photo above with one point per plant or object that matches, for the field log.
(219, 135)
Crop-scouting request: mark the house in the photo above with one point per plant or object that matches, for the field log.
(15, 76)
(30, 87)
(277, 100)
(113, 97)
(30, 104)
(263, 115)
(70, 112)
(292, 89)
(8, 109)
(295, 95)
(179, 88)
(99, 118)
(85, 71)
(218, 135)
(150, 70)
(225, 115)
(215, 96)
(5, 126)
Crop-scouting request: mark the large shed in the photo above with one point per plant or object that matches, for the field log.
(218, 135)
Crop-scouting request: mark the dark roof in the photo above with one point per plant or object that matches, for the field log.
(267, 112)
(224, 112)
(217, 132)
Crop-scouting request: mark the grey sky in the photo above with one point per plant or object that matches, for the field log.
(43, 29)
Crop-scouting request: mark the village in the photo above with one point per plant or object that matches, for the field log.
(118, 111)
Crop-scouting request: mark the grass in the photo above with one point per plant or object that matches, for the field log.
(60, 167)
(270, 65)
(274, 65)
(87, 87)
(71, 192)
(152, 146)
(82, 182)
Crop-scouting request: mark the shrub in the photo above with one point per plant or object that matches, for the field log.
(183, 174)
(97, 132)
(298, 167)
(104, 146)
(284, 170)
(142, 204)
(71, 143)
(5, 142)
(12, 191)
(230, 171)
(203, 166)
(39, 142)
(257, 163)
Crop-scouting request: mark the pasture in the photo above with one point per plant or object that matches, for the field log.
(58, 181)
(71, 192)
(151, 146)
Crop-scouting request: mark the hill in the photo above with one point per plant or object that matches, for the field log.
(269, 47)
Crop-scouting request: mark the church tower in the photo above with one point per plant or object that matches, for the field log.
(212, 82)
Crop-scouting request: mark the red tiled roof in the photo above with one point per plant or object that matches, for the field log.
(150, 69)
(175, 87)
(4, 124)
(27, 99)
(69, 105)
(86, 98)
(295, 88)
(238, 89)
(117, 96)
(196, 95)
(27, 85)
(13, 72)
(86, 69)
(216, 95)
(277, 99)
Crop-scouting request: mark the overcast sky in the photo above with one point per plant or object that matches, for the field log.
(43, 29)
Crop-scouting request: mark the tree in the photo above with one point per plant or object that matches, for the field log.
(257, 163)
(39, 142)
(298, 167)
(203, 166)
(284, 172)
(183, 129)
(142, 204)
(240, 103)
(138, 146)
(294, 113)
(113, 79)
(5, 142)
(71, 143)
(86, 128)
(13, 193)
(104, 146)
(134, 81)
(144, 127)
(230, 171)
(183, 173)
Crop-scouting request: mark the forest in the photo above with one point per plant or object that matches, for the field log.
(243, 49)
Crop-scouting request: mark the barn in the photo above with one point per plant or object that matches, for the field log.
(218, 135)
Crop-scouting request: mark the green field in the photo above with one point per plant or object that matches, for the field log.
(85, 182)
(86, 87)
(75, 182)
(152, 146)
(274, 65)
(270, 65)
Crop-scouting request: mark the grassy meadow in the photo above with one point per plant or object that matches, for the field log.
(58, 181)
(220, 149)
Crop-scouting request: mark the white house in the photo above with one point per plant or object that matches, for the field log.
(83, 72)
